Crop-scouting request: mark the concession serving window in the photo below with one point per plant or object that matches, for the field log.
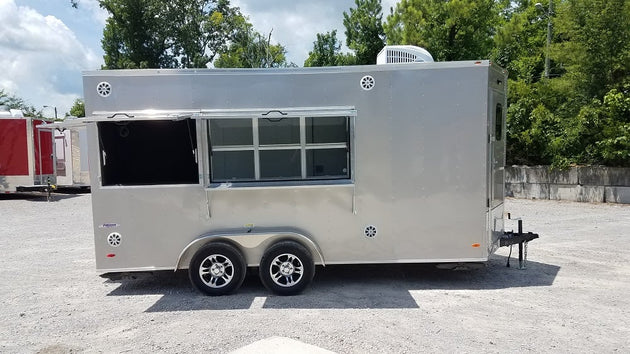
(281, 145)
(148, 152)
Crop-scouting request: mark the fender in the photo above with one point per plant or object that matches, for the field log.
(253, 244)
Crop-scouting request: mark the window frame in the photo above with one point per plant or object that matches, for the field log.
(301, 114)
(102, 153)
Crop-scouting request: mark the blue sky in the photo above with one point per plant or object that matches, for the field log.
(45, 44)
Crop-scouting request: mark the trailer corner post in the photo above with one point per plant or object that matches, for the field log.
(521, 264)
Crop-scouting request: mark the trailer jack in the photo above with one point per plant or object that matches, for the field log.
(49, 189)
(511, 238)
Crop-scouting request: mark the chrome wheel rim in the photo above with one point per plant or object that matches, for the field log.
(286, 270)
(216, 271)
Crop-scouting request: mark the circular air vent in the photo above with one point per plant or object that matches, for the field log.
(370, 231)
(104, 89)
(367, 82)
(114, 239)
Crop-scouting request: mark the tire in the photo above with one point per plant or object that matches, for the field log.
(286, 268)
(217, 269)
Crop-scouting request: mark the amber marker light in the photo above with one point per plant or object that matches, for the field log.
(475, 245)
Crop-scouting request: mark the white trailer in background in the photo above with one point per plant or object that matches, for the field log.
(72, 160)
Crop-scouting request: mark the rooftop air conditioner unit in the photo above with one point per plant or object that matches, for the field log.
(393, 54)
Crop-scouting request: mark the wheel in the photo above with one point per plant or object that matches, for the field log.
(217, 269)
(287, 268)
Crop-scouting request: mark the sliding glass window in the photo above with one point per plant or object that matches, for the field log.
(279, 149)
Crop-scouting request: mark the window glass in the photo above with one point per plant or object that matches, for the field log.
(322, 130)
(231, 132)
(273, 149)
(232, 166)
(498, 122)
(280, 164)
(327, 163)
(279, 131)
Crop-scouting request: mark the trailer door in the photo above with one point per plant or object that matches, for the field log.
(497, 148)
(44, 154)
(496, 163)
(13, 147)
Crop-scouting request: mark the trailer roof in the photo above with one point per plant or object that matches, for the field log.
(310, 70)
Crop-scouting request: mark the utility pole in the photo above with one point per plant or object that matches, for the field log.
(548, 14)
(55, 107)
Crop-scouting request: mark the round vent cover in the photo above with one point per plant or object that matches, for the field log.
(114, 239)
(104, 89)
(370, 231)
(367, 82)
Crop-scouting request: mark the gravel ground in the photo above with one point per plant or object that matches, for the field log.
(574, 296)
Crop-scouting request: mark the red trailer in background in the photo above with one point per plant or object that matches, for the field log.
(27, 158)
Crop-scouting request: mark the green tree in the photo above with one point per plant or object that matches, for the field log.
(519, 42)
(174, 34)
(593, 44)
(136, 35)
(581, 114)
(77, 109)
(327, 52)
(448, 29)
(364, 30)
(251, 49)
(13, 102)
(202, 29)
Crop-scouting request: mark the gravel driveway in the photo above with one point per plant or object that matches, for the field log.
(574, 296)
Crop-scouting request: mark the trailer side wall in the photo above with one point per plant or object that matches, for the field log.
(418, 148)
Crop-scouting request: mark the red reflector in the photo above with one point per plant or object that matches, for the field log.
(111, 255)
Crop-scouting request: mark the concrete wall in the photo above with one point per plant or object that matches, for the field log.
(581, 184)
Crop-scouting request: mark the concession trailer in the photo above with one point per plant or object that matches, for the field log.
(26, 154)
(218, 170)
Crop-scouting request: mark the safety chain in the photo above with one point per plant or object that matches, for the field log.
(524, 266)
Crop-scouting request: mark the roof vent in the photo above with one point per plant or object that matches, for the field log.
(104, 89)
(367, 82)
(370, 231)
(393, 54)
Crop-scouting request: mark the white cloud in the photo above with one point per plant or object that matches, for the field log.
(41, 57)
(98, 14)
(296, 23)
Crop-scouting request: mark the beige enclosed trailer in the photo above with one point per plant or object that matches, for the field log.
(284, 169)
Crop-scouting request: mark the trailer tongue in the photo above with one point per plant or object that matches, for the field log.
(519, 238)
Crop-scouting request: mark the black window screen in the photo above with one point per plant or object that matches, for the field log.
(498, 122)
(148, 152)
